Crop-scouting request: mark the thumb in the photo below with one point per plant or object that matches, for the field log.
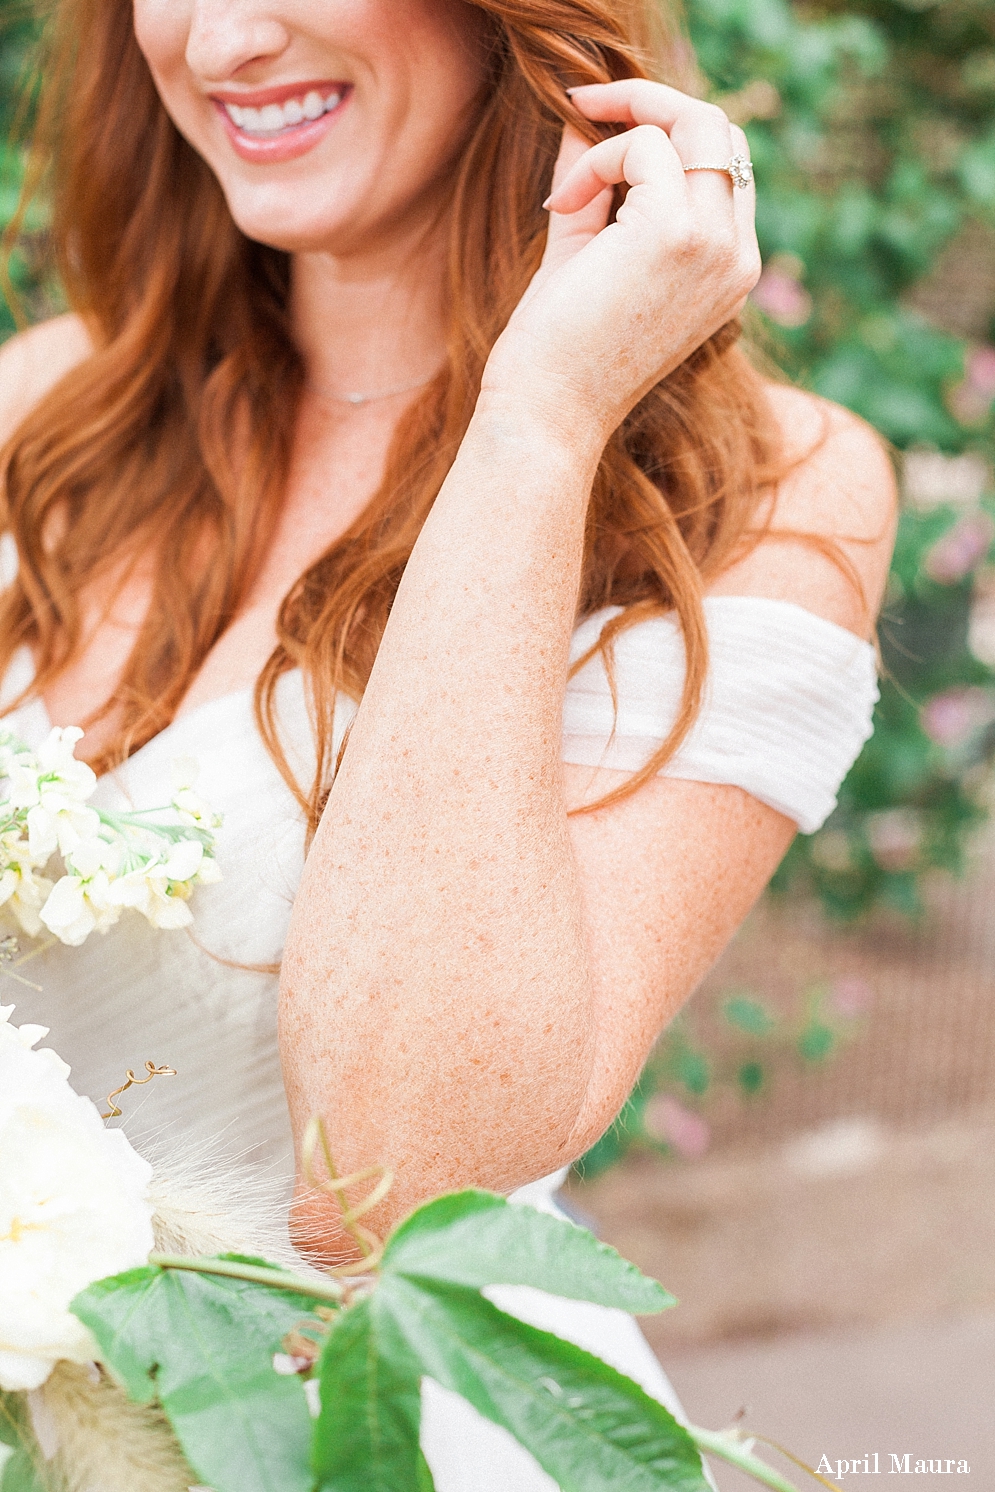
(569, 231)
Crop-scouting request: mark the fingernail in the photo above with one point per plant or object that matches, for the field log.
(547, 202)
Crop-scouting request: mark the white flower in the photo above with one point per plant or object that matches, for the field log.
(183, 861)
(73, 1208)
(191, 808)
(56, 756)
(161, 889)
(112, 860)
(148, 891)
(53, 786)
(21, 887)
(78, 907)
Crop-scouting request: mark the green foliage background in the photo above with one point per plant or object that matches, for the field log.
(875, 160)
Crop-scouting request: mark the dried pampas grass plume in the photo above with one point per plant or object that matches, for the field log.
(98, 1440)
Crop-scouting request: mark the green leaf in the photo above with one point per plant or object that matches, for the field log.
(585, 1423)
(816, 1042)
(751, 1077)
(425, 1482)
(692, 1068)
(977, 171)
(20, 1458)
(203, 1345)
(475, 1238)
(588, 1426)
(20, 1472)
(749, 1015)
(366, 1436)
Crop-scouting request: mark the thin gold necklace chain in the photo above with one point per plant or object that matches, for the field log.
(357, 398)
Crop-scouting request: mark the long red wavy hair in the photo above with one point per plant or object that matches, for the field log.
(173, 440)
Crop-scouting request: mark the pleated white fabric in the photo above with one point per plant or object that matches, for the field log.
(786, 710)
(788, 706)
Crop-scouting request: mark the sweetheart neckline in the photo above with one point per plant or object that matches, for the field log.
(179, 721)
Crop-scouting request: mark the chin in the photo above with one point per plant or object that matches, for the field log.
(298, 218)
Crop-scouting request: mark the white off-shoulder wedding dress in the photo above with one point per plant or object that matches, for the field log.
(788, 705)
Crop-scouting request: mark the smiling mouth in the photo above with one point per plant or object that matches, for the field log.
(276, 119)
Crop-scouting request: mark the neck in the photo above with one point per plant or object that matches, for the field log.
(370, 322)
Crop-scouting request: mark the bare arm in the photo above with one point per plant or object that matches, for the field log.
(471, 978)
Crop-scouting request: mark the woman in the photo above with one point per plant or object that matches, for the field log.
(346, 407)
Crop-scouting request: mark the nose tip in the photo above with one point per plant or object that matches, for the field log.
(223, 39)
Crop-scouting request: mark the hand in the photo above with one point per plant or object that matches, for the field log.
(616, 306)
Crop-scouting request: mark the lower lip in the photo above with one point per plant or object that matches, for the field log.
(297, 140)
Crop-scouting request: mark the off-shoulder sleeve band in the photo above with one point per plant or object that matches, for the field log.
(787, 704)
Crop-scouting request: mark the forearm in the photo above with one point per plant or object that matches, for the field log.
(437, 1000)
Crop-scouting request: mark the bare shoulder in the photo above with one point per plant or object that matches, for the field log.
(842, 481)
(839, 492)
(33, 362)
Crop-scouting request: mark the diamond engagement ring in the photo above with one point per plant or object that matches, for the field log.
(740, 168)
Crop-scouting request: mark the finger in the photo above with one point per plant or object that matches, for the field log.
(744, 201)
(637, 101)
(640, 157)
(744, 198)
(700, 132)
(567, 226)
(630, 101)
(572, 147)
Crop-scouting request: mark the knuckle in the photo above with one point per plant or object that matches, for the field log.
(694, 237)
(714, 115)
(725, 250)
(752, 269)
(747, 270)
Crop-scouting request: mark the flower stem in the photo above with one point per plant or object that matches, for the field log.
(722, 1443)
(255, 1274)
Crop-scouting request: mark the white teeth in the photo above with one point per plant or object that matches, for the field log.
(273, 118)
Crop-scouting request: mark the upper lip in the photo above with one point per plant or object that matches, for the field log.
(257, 98)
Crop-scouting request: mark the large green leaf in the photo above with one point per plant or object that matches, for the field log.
(477, 1238)
(203, 1346)
(586, 1424)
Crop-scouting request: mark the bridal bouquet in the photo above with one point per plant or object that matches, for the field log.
(148, 860)
(123, 1367)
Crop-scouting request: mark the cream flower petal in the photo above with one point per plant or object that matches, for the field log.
(74, 1209)
(66, 913)
(184, 861)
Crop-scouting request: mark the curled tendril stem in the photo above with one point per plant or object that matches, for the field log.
(370, 1244)
(151, 1069)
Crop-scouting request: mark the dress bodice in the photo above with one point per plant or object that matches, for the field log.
(203, 1001)
(787, 707)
